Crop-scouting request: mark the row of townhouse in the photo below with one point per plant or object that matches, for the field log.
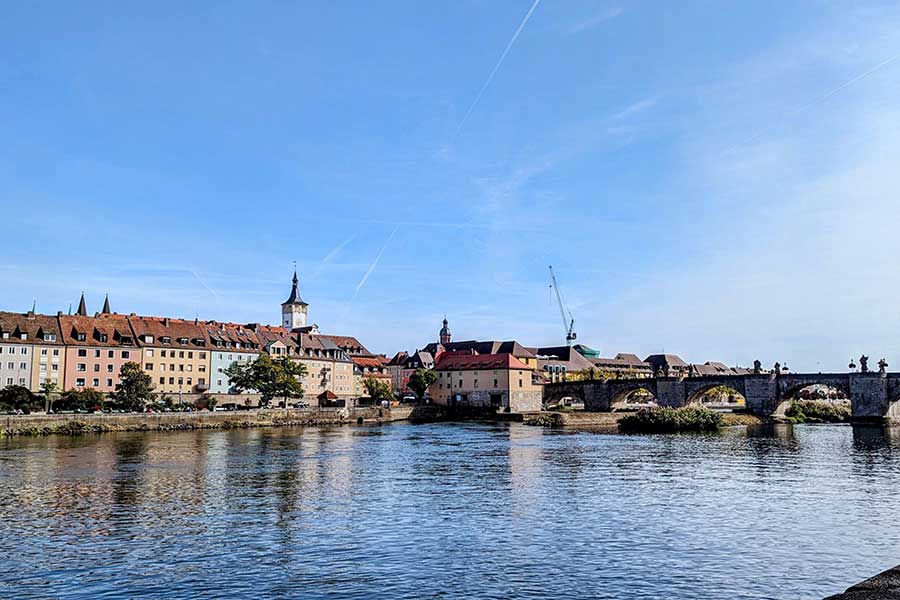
(183, 357)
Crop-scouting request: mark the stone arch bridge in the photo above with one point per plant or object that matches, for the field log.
(873, 396)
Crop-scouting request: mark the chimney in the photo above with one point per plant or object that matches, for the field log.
(166, 321)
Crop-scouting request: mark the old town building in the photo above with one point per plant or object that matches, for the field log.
(175, 353)
(31, 350)
(498, 381)
(229, 344)
(96, 349)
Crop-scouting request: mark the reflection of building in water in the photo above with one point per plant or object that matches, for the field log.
(525, 450)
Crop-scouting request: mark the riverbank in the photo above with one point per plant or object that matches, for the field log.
(73, 424)
(610, 420)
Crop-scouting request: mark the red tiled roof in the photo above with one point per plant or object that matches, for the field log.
(114, 327)
(452, 361)
(29, 324)
(192, 332)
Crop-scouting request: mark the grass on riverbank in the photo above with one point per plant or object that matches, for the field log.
(671, 420)
(809, 411)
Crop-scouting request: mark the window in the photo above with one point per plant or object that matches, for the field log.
(54, 367)
(96, 354)
(80, 337)
(202, 381)
(162, 366)
(189, 381)
(81, 367)
(50, 337)
(171, 381)
(476, 383)
(126, 354)
(96, 367)
(162, 380)
(520, 383)
(109, 382)
(148, 367)
(190, 368)
(44, 368)
(43, 352)
(109, 368)
(180, 381)
(181, 354)
(218, 382)
(82, 352)
(190, 355)
(149, 339)
(55, 352)
(96, 382)
(495, 383)
(111, 353)
(149, 352)
(9, 380)
(79, 382)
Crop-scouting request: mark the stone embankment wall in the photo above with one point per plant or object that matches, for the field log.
(100, 422)
(883, 586)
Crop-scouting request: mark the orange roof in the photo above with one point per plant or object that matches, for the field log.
(452, 361)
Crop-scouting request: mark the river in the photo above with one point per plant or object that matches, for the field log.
(448, 511)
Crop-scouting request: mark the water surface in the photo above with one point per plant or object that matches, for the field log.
(448, 511)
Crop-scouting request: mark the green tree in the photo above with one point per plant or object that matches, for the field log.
(50, 392)
(279, 378)
(420, 381)
(135, 388)
(378, 390)
(86, 399)
(16, 397)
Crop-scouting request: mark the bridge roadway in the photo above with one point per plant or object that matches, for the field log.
(874, 397)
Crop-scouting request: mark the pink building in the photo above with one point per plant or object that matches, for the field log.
(96, 349)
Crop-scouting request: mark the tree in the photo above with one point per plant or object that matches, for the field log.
(378, 390)
(135, 388)
(86, 399)
(50, 391)
(279, 378)
(16, 397)
(420, 381)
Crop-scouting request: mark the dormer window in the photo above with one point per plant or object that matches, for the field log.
(80, 337)
(24, 336)
(49, 337)
(126, 339)
(182, 340)
(165, 339)
(5, 335)
(148, 339)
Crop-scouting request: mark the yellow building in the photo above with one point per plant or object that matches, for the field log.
(174, 352)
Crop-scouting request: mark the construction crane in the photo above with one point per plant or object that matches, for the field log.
(568, 324)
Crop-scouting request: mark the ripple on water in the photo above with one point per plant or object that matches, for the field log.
(448, 511)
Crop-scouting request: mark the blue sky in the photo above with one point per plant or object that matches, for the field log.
(713, 179)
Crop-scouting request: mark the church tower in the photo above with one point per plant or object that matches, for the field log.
(445, 334)
(294, 309)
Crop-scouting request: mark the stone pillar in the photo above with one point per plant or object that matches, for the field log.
(670, 392)
(760, 391)
(597, 396)
(869, 396)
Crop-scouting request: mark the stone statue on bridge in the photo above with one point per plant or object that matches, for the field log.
(882, 366)
(778, 368)
(757, 367)
(863, 364)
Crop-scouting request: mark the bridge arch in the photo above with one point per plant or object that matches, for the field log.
(717, 395)
(810, 387)
(633, 393)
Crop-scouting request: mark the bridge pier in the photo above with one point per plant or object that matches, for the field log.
(670, 392)
(760, 393)
(869, 397)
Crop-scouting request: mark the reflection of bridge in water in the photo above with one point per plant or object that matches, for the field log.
(873, 396)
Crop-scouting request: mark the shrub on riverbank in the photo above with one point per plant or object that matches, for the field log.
(808, 411)
(670, 420)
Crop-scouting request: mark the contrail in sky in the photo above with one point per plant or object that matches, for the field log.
(821, 98)
(331, 255)
(374, 263)
(490, 78)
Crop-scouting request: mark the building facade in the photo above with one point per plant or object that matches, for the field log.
(230, 344)
(96, 349)
(31, 351)
(493, 381)
(175, 354)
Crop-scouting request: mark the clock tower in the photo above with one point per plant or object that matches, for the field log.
(294, 309)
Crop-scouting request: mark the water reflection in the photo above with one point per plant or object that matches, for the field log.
(448, 510)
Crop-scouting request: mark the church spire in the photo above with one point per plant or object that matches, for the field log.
(106, 310)
(82, 307)
(294, 298)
